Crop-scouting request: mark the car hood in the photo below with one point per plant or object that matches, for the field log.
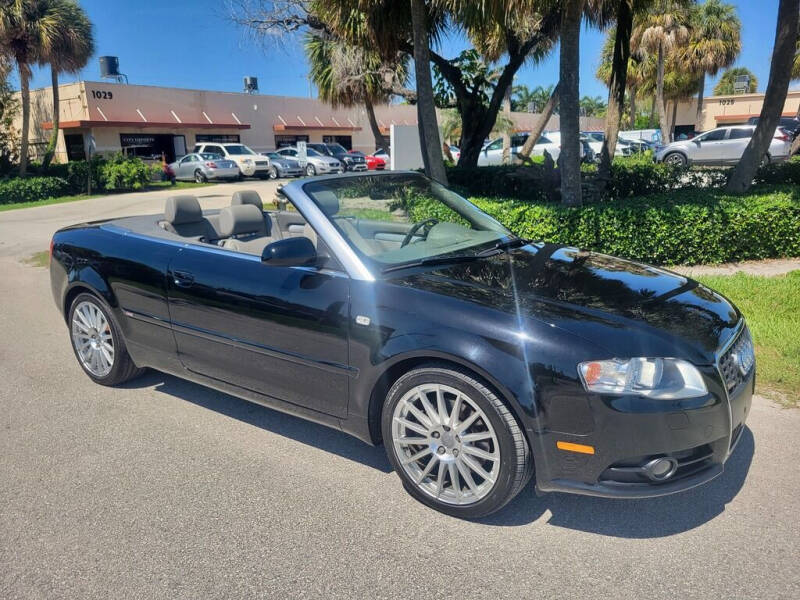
(285, 163)
(628, 308)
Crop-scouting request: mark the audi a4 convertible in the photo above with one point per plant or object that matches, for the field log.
(390, 308)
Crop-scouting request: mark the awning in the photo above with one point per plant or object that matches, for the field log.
(313, 123)
(48, 125)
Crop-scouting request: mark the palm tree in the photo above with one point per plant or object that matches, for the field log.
(71, 49)
(724, 86)
(349, 75)
(531, 100)
(592, 106)
(544, 116)
(783, 54)
(714, 43)
(569, 61)
(661, 29)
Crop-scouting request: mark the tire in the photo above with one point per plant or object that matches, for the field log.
(677, 159)
(311, 170)
(273, 173)
(506, 463)
(200, 177)
(82, 326)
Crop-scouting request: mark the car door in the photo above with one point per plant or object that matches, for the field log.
(279, 331)
(186, 166)
(709, 148)
(734, 146)
(492, 154)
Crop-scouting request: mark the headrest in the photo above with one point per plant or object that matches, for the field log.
(243, 219)
(182, 209)
(247, 197)
(327, 201)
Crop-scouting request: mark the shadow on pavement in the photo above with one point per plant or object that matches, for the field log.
(647, 518)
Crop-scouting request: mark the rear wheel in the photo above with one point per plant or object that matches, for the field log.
(453, 442)
(311, 170)
(97, 342)
(273, 173)
(200, 177)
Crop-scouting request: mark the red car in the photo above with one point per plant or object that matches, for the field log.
(373, 162)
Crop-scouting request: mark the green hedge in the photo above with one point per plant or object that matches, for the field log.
(686, 227)
(31, 189)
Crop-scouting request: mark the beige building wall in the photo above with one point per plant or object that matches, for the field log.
(109, 110)
(730, 110)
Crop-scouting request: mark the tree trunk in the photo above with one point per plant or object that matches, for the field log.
(25, 94)
(380, 139)
(674, 117)
(653, 119)
(662, 107)
(632, 122)
(698, 119)
(51, 145)
(428, 126)
(774, 99)
(507, 135)
(616, 91)
(539, 126)
(569, 110)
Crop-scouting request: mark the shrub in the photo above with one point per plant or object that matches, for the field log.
(76, 173)
(121, 173)
(686, 227)
(32, 189)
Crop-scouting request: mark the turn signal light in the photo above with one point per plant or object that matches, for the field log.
(570, 447)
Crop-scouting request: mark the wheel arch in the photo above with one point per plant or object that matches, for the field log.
(90, 282)
(677, 151)
(401, 365)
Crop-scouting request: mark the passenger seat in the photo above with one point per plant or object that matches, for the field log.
(244, 229)
(251, 197)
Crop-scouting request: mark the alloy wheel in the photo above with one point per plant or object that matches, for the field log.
(446, 444)
(199, 177)
(92, 338)
(311, 171)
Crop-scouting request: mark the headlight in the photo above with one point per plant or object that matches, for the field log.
(247, 161)
(657, 378)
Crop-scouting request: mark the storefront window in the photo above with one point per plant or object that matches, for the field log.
(281, 141)
(219, 138)
(344, 140)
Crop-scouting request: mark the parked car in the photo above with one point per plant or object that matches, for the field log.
(251, 164)
(587, 153)
(595, 140)
(283, 166)
(492, 153)
(723, 145)
(316, 163)
(350, 162)
(455, 151)
(373, 162)
(470, 353)
(383, 154)
(790, 124)
(203, 167)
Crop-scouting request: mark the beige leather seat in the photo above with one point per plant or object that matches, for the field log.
(183, 216)
(245, 229)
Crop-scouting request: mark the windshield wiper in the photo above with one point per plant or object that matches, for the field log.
(502, 247)
(433, 260)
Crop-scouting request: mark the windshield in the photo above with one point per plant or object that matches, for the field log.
(274, 155)
(311, 152)
(238, 149)
(337, 148)
(391, 220)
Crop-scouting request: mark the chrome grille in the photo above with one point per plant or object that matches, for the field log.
(737, 361)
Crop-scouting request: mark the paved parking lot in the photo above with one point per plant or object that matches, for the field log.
(165, 489)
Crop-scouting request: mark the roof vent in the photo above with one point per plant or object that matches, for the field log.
(250, 85)
(109, 69)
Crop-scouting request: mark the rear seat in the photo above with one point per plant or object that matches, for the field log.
(183, 216)
(245, 229)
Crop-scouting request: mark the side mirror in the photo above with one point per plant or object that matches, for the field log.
(291, 252)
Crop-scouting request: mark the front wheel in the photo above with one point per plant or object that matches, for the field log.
(676, 159)
(311, 170)
(97, 342)
(453, 442)
(273, 173)
(200, 177)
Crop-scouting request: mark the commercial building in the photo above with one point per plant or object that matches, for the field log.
(148, 121)
(726, 110)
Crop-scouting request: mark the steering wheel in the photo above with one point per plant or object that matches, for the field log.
(427, 223)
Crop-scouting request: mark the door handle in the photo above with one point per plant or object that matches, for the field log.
(182, 278)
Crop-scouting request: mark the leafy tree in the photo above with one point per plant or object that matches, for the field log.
(592, 106)
(531, 100)
(783, 54)
(8, 111)
(724, 86)
(714, 42)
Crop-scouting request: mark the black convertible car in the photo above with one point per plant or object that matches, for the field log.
(388, 307)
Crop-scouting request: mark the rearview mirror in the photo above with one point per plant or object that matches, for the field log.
(291, 252)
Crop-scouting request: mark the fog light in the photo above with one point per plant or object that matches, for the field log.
(660, 469)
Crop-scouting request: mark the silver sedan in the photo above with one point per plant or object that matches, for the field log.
(201, 167)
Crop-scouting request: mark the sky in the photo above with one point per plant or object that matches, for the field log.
(194, 44)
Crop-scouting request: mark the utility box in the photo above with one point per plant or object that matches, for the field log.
(405, 152)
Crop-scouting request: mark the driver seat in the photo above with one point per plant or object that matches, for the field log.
(329, 203)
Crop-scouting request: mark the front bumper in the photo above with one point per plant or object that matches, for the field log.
(699, 438)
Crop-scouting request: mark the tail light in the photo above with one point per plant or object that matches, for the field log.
(780, 134)
(211, 165)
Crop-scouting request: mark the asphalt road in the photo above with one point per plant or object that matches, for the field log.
(165, 489)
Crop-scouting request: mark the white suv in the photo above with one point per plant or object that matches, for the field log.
(250, 163)
(723, 145)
